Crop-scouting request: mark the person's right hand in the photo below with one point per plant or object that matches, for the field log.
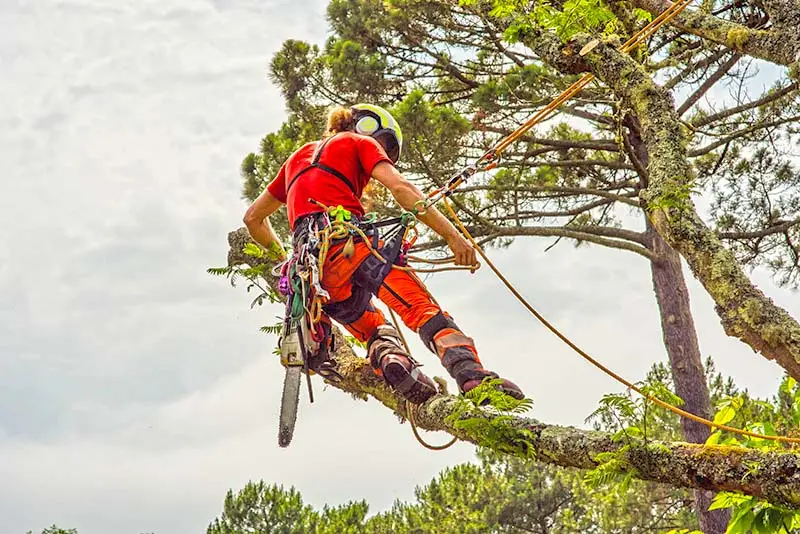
(462, 250)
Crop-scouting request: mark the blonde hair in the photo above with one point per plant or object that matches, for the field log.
(339, 120)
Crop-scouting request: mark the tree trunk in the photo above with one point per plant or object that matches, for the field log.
(745, 311)
(680, 340)
(771, 475)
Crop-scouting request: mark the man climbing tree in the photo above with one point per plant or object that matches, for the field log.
(326, 179)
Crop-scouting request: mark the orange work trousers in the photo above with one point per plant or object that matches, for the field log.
(401, 290)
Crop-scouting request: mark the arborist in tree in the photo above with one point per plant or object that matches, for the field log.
(323, 181)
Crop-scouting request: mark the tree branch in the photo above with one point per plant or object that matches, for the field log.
(677, 464)
(533, 189)
(710, 82)
(599, 144)
(766, 99)
(746, 312)
(761, 125)
(778, 228)
(774, 45)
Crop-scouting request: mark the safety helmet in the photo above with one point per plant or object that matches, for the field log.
(378, 123)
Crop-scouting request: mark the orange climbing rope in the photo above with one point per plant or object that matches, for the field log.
(490, 160)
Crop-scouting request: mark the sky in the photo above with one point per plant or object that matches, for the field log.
(135, 389)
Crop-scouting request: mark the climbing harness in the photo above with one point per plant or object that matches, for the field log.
(315, 164)
(306, 343)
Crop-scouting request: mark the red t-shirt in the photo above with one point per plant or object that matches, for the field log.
(353, 155)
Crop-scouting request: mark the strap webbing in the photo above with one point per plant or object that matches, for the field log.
(315, 164)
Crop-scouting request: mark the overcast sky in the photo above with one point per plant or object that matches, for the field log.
(135, 390)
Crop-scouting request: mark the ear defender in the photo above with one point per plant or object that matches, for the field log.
(378, 123)
(367, 125)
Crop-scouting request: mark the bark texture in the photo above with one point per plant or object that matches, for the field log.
(774, 476)
(745, 311)
(680, 340)
(779, 44)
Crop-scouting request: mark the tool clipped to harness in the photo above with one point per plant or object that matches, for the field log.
(306, 342)
(292, 359)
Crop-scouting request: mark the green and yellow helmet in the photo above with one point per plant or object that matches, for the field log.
(378, 123)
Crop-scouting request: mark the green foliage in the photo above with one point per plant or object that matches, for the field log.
(678, 197)
(752, 190)
(261, 508)
(253, 250)
(487, 414)
(751, 515)
(353, 342)
(345, 519)
(566, 19)
(630, 415)
(255, 276)
(778, 416)
(611, 470)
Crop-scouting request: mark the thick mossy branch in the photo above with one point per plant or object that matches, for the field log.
(779, 44)
(774, 476)
(745, 311)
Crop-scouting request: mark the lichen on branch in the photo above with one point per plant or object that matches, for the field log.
(776, 478)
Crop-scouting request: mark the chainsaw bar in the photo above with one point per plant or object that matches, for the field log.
(289, 402)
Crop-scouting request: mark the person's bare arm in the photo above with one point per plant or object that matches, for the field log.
(407, 194)
(256, 218)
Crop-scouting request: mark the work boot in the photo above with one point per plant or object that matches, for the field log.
(390, 360)
(506, 386)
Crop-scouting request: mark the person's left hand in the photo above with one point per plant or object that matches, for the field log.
(463, 252)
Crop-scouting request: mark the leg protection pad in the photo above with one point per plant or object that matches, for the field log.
(459, 356)
(433, 326)
(384, 342)
(390, 359)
